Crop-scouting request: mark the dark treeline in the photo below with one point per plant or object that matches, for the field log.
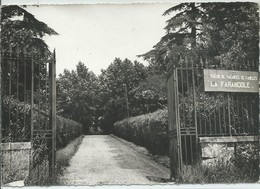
(99, 101)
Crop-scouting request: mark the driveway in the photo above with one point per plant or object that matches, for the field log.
(104, 160)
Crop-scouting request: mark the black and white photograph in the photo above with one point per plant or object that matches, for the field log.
(122, 94)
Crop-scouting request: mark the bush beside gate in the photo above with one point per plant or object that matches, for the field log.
(148, 130)
(67, 131)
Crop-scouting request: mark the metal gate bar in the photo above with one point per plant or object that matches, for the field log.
(25, 87)
(226, 113)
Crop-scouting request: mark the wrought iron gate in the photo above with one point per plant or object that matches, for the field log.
(194, 113)
(29, 110)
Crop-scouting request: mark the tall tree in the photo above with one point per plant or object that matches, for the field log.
(118, 77)
(76, 95)
(22, 31)
(181, 35)
(218, 30)
(231, 32)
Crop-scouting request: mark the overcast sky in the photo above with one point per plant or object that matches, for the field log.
(96, 34)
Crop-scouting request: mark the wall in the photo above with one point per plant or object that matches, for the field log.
(15, 161)
(214, 149)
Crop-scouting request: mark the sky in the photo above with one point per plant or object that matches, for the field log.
(97, 34)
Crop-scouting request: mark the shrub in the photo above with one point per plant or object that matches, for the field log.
(242, 168)
(15, 120)
(148, 130)
(247, 160)
(67, 131)
(220, 172)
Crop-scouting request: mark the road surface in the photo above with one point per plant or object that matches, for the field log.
(103, 159)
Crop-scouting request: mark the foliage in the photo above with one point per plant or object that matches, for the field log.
(15, 130)
(149, 95)
(21, 31)
(115, 82)
(220, 31)
(149, 130)
(181, 33)
(77, 95)
(247, 159)
(231, 31)
(219, 172)
(98, 101)
(67, 130)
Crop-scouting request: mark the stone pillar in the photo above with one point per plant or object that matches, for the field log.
(15, 161)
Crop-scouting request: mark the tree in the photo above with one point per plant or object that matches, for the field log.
(76, 95)
(231, 32)
(226, 31)
(150, 95)
(112, 89)
(22, 34)
(181, 35)
(21, 31)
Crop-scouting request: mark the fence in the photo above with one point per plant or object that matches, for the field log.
(29, 108)
(194, 113)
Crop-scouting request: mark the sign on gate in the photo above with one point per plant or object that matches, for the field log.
(231, 81)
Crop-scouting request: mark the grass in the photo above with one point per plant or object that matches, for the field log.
(64, 155)
(221, 172)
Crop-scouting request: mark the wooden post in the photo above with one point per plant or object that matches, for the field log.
(31, 124)
(52, 97)
(229, 115)
(173, 118)
(195, 109)
(32, 97)
(53, 114)
(126, 98)
(0, 99)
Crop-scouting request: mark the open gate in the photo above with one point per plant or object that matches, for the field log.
(29, 104)
(194, 113)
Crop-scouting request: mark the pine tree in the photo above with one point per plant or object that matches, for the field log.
(21, 31)
(223, 32)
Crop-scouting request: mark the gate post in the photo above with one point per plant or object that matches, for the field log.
(32, 117)
(52, 81)
(0, 101)
(173, 121)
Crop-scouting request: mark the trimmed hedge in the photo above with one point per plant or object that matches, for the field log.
(67, 131)
(148, 130)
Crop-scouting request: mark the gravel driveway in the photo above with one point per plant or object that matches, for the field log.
(102, 159)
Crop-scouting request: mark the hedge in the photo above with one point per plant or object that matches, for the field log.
(148, 130)
(67, 131)
(17, 129)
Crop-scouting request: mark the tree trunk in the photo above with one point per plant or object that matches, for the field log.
(193, 25)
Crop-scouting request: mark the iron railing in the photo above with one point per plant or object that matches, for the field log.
(195, 113)
(29, 110)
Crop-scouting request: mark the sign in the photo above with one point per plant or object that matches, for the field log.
(231, 81)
